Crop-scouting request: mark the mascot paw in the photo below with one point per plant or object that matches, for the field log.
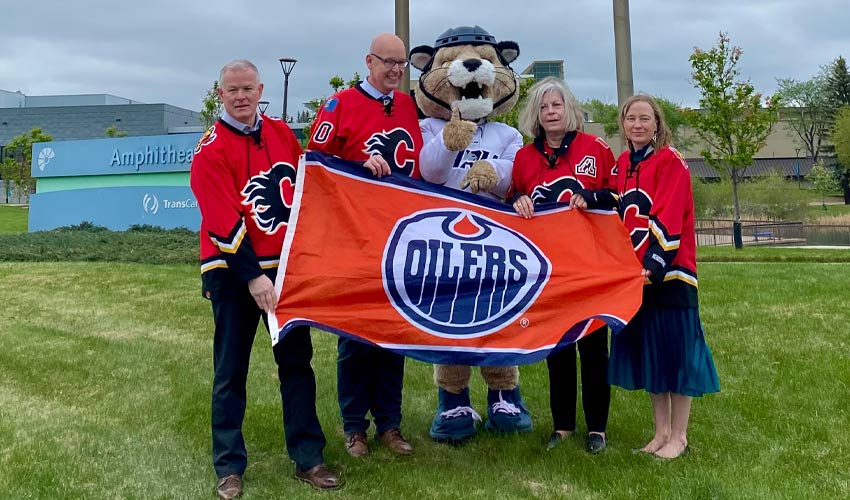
(455, 419)
(506, 412)
(457, 134)
(480, 177)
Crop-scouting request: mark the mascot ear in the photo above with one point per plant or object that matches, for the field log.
(509, 50)
(420, 56)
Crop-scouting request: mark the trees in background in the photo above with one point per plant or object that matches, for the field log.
(733, 123)
(807, 110)
(16, 166)
(211, 106)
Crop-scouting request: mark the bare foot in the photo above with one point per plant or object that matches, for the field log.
(673, 449)
(656, 444)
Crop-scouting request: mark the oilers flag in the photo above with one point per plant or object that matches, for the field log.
(445, 276)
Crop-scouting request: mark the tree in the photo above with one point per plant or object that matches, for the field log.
(113, 131)
(211, 106)
(607, 114)
(838, 83)
(512, 117)
(17, 166)
(841, 138)
(807, 110)
(732, 123)
(823, 180)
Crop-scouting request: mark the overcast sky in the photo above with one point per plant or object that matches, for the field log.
(170, 51)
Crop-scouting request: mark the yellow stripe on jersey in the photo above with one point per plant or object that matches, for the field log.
(237, 240)
(662, 240)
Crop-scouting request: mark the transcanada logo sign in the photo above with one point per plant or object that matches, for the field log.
(164, 155)
(151, 204)
(44, 157)
(457, 274)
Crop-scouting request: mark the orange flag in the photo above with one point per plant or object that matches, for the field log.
(445, 276)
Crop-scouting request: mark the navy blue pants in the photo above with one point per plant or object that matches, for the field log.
(595, 391)
(236, 319)
(369, 379)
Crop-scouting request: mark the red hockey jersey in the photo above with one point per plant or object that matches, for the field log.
(353, 125)
(587, 164)
(244, 185)
(657, 207)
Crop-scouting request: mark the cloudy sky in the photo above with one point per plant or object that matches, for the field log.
(171, 50)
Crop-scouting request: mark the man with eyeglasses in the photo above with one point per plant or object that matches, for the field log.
(374, 123)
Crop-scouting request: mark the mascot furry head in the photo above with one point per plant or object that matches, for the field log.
(467, 70)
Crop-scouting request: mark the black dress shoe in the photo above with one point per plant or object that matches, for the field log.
(595, 443)
(319, 477)
(229, 487)
(557, 438)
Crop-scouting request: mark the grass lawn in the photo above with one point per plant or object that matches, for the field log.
(106, 373)
(13, 219)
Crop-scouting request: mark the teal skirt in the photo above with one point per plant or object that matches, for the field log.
(663, 350)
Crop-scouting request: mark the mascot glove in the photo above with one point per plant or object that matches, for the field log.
(457, 134)
(480, 177)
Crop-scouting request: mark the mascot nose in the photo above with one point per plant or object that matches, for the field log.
(472, 64)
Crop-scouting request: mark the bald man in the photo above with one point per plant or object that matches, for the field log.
(376, 124)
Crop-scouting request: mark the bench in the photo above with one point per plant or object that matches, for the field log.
(763, 235)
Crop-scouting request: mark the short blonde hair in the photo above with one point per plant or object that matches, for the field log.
(663, 137)
(529, 116)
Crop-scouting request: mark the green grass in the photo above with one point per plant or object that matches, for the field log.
(106, 373)
(13, 219)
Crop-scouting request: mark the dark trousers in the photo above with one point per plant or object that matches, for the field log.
(369, 378)
(595, 391)
(236, 319)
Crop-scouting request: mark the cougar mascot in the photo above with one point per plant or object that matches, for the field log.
(466, 79)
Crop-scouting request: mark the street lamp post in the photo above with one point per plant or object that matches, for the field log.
(286, 64)
(797, 168)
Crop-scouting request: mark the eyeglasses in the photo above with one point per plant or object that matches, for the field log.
(389, 63)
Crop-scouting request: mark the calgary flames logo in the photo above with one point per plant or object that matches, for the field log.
(561, 189)
(396, 146)
(269, 194)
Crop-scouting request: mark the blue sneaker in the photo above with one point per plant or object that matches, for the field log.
(506, 412)
(455, 419)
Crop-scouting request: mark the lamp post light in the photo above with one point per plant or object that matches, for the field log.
(797, 168)
(286, 64)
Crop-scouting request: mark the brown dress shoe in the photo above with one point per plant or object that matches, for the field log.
(229, 487)
(355, 444)
(319, 477)
(393, 440)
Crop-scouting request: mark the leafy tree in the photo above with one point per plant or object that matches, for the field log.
(841, 138)
(607, 114)
(824, 181)
(211, 106)
(807, 111)
(354, 79)
(512, 117)
(336, 83)
(732, 122)
(17, 166)
(113, 131)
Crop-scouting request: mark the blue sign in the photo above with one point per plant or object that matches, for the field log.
(124, 155)
(116, 208)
